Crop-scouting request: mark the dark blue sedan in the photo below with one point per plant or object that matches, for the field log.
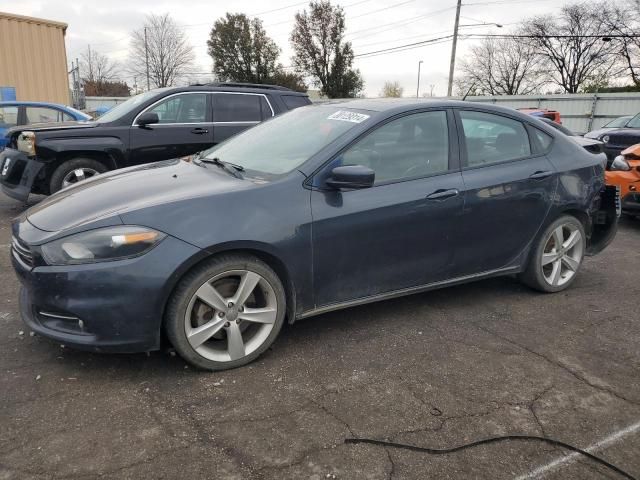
(322, 208)
(13, 113)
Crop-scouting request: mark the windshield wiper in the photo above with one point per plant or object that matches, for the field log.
(224, 165)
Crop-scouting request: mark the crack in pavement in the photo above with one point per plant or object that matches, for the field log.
(557, 363)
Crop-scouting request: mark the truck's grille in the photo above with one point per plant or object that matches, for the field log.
(22, 251)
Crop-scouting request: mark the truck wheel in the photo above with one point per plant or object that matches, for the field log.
(556, 256)
(74, 171)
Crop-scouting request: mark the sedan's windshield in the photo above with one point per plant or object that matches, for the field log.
(125, 107)
(618, 122)
(284, 143)
(634, 122)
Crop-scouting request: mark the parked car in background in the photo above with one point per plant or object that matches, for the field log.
(153, 126)
(322, 208)
(624, 173)
(552, 115)
(620, 122)
(619, 139)
(591, 145)
(16, 113)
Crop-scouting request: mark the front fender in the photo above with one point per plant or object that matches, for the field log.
(50, 149)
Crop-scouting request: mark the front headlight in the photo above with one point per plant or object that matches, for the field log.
(619, 163)
(27, 143)
(605, 138)
(101, 245)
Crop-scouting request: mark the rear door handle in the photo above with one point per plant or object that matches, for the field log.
(443, 194)
(199, 131)
(540, 175)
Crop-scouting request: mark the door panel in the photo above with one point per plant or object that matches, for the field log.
(185, 128)
(383, 238)
(506, 200)
(398, 233)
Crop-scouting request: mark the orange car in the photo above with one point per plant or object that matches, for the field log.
(625, 173)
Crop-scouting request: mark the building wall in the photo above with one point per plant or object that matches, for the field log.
(33, 58)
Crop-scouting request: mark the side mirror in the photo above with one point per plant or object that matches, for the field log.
(147, 118)
(351, 176)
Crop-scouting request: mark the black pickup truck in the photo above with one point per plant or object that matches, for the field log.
(156, 125)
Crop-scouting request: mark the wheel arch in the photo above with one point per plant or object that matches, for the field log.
(258, 250)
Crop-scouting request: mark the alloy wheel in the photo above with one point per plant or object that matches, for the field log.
(562, 254)
(78, 175)
(231, 315)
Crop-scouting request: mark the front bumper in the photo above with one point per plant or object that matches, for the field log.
(631, 203)
(107, 307)
(18, 173)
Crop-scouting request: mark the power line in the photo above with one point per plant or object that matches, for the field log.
(382, 9)
(413, 45)
(392, 25)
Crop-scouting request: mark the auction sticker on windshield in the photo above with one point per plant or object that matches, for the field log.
(346, 116)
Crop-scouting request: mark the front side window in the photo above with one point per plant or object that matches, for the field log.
(187, 108)
(45, 115)
(493, 139)
(412, 146)
(8, 117)
(634, 122)
(231, 107)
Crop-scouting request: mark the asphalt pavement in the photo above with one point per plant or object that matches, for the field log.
(436, 370)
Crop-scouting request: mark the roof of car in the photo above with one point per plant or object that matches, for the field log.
(32, 104)
(400, 104)
(244, 87)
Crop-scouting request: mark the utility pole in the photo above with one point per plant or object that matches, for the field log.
(418, 89)
(146, 55)
(452, 65)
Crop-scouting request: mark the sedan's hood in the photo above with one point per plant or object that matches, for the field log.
(596, 133)
(105, 196)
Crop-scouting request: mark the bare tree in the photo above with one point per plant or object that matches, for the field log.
(96, 67)
(502, 67)
(624, 21)
(572, 44)
(170, 54)
(391, 89)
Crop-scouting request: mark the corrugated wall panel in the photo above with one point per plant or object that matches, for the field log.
(33, 59)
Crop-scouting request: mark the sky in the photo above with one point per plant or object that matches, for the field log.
(371, 25)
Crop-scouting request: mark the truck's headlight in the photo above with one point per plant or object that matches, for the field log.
(101, 245)
(27, 143)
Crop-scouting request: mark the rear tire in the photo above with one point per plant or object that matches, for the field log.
(226, 312)
(73, 171)
(556, 256)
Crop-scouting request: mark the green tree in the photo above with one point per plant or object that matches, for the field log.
(321, 52)
(241, 50)
(290, 80)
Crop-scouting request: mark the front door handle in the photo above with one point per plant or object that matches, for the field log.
(540, 175)
(443, 194)
(199, 131)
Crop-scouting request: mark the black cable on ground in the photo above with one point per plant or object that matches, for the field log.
(444, 451)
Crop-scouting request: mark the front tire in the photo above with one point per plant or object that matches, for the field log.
(557, 256)
(74, 171)
(226, 312)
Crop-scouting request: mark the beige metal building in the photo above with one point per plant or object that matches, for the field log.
(33, 58)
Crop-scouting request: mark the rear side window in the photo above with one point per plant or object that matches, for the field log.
(8, 117)
(295, 101)
(231, 107)
(544, 140)
(493, 138)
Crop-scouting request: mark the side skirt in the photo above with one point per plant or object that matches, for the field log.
(408, 291)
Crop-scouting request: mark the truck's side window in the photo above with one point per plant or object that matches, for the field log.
(229, 107)
(187, 108)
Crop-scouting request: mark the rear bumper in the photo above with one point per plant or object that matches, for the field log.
(18, 173)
